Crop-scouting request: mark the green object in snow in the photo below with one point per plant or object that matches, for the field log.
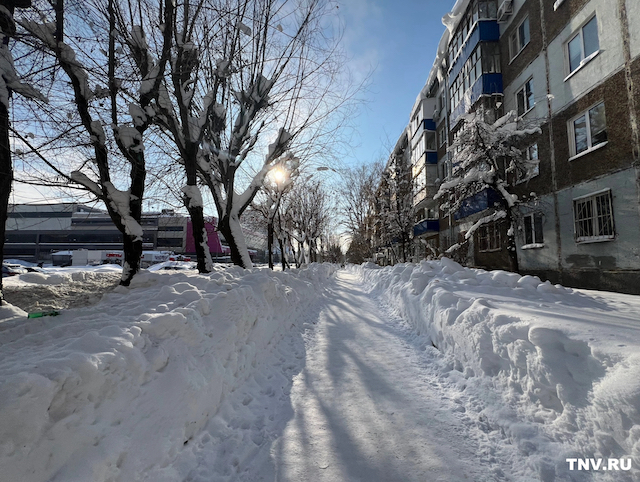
(40, 314)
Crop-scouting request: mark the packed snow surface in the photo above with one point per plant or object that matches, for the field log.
(557, 369)
(115, 391)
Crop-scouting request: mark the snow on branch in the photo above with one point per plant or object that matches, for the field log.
(9, 80)
(120, 203)
(277, 147)
(84, 181)
(484, 154)
(130, 138)
(66, 55)
(485, 220)
(193, 195)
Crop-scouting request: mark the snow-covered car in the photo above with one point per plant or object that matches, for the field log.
(173, 266)
(12, 270)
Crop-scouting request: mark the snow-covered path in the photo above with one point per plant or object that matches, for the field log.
(364, 409)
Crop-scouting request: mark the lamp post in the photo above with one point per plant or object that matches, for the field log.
(282, 176)
(279, 177)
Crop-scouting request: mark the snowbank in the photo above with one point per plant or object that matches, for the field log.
(565, 363)
(111, 391)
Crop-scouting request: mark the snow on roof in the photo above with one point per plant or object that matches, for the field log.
(450, 21)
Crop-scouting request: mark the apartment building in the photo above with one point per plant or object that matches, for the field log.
(424, 131)
(571, 67)
(394, 211)
(577, 73)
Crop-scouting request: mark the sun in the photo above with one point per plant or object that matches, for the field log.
(279, 175)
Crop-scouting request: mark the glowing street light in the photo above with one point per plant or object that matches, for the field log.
(279, 176)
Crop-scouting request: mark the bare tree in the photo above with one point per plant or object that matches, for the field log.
(9, 82)
(396, 211)
(306, 216)
(277, 185)
(244, 71)
(488, 157)
(122, 98)
(357, 195)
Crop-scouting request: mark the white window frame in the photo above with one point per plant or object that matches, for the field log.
(537, 237)
(596, 219)
(573, 148)
(523, 90)
(584, 59)
(515, 40)
(490, 234)
(530, 158)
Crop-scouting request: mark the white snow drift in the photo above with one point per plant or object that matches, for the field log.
(107, 392)
(565, 363)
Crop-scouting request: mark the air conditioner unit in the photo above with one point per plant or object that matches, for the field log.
(436, 114)
(504, 10)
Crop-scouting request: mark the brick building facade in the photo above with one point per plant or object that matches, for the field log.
(571, 67)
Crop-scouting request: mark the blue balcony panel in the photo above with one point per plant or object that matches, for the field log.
(429, 125)
(426, 226)
(484, 31)
(432, 157)
(478, 203)
(487, 84)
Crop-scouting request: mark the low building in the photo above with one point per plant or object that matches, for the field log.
(35, 231)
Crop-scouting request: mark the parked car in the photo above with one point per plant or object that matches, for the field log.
(12, 270)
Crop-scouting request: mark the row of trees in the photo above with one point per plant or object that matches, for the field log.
(298, 213)
(380, 203)
(118, 96)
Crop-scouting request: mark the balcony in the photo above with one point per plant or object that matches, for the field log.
(487, 84)
(426, 226)
(427, 125)
(483, 31)
(478, 203)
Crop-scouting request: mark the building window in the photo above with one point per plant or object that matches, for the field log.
(593, 217)
(531, 165)
(583, 44)
(533, 229)
(520, 38)
(487, 9)
(588, 130)
(442, 135)
(484, 59)
(524, 97)
(491, 58)
(489, 238)
(430, 141)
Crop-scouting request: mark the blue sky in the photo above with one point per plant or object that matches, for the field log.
(398, 39)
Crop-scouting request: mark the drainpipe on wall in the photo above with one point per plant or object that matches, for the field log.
(552, 160)
(633, 113)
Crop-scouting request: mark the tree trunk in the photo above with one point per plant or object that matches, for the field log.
(236, 255)
(511, 242)
(282, 256)
(133, 249)
(6, 180)
(270, 242)
(199, 237)
(132, 254)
